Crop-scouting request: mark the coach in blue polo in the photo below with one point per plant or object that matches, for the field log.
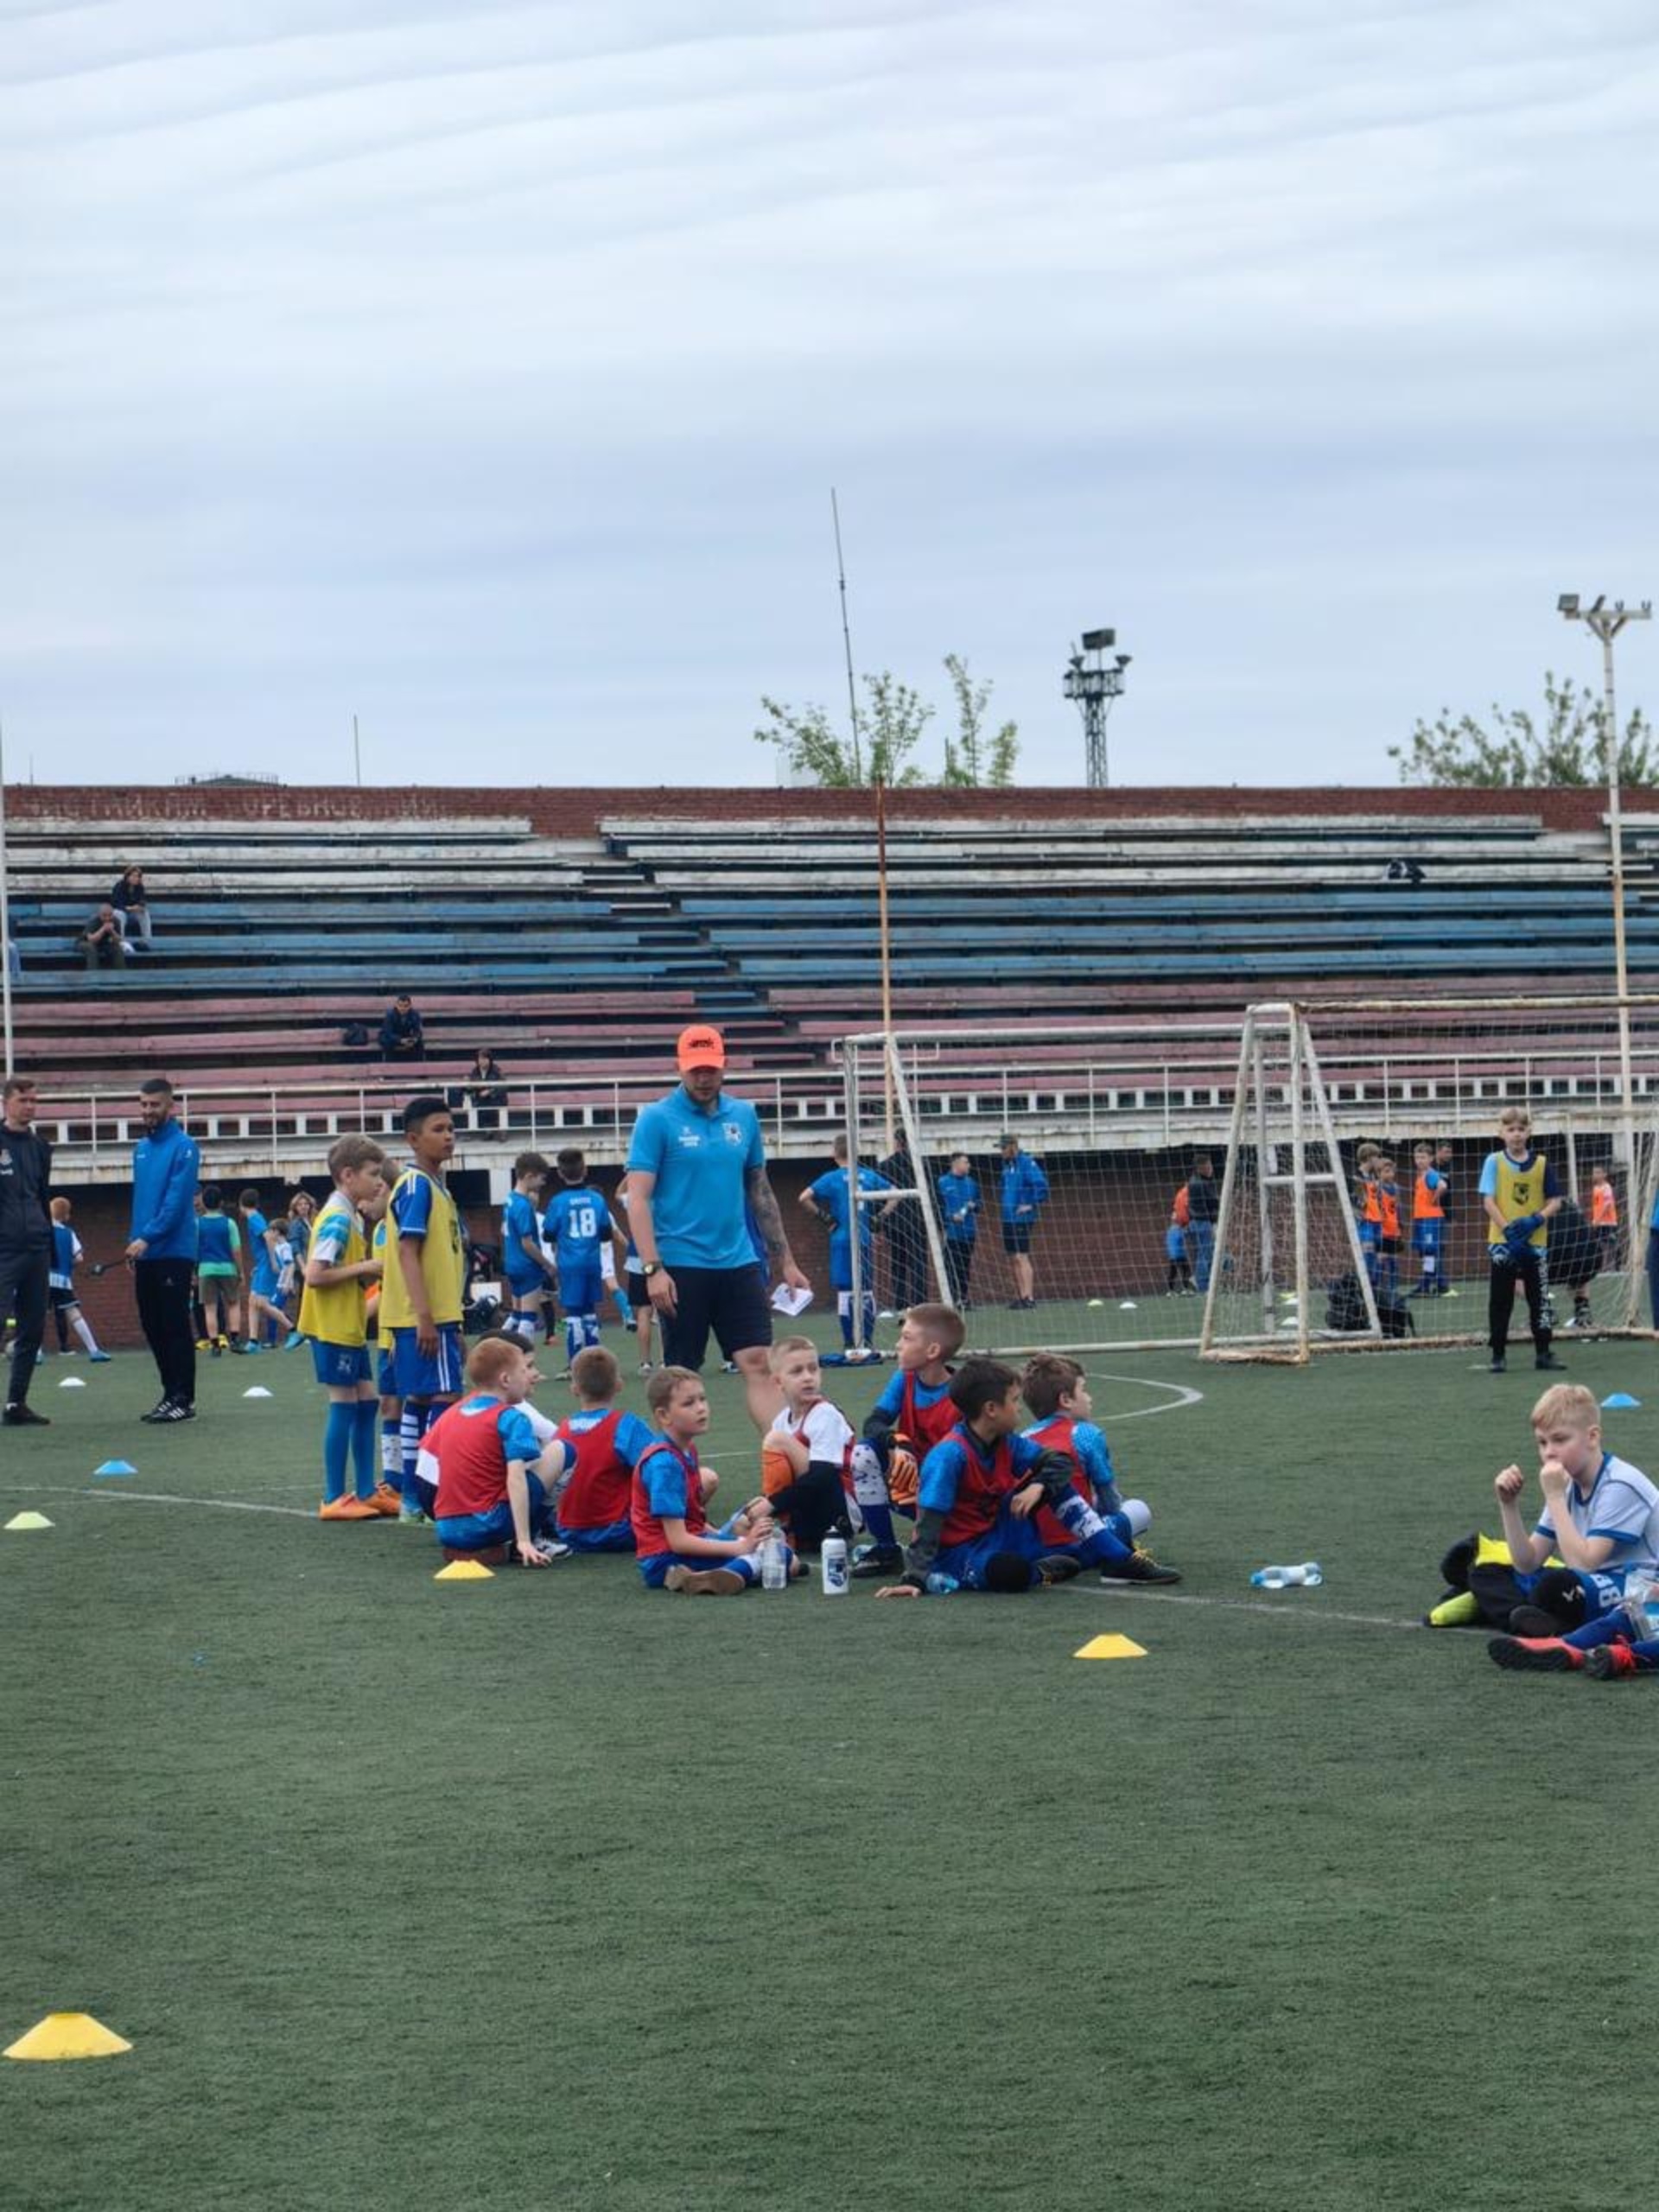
(697, 1171)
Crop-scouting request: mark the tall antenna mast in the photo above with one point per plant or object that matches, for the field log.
(847, 641)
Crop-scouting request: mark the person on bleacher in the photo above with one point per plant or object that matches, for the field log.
(131, 903)
(101, 944)
(402, 1036)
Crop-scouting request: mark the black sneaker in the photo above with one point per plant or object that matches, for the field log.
(1058, 1567)
(171, 1409)
(158, 1411)
(1139, 1566)
(1546, 1364)
(23, 1417)
(1545, 1654)
(1499, 1366)
(879, 1559)
(1533, 1622)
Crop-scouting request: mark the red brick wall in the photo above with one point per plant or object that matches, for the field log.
(576, 812)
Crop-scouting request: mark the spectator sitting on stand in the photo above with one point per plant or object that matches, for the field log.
(402, 1037)
(485, 1086)
(101, 944)
(131, 903)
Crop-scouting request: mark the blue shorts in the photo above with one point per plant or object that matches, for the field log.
(476, 1532)
(337, 1367)
(619, 1538)
(580, 1289)
(654, 1569)
(262, 1284)
(1370, 1235)
(415, 1375)
(1425, 1237)
(1174, 1244)
(968, 1560)
(525, 1290)
(386, 1376)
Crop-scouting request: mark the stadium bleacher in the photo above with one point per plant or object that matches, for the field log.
(576, 955)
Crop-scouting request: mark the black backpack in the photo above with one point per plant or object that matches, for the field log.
(1345, 1309)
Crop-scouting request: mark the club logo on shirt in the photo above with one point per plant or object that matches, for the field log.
(732, 1133)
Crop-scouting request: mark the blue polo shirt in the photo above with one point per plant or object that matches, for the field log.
(701, 1159)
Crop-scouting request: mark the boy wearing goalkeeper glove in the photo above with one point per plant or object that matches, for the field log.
(913, 1414)
(1518, 1193)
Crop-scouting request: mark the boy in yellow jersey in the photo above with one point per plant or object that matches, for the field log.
(424, 1283)
(333, 1314)
(1518, 1193)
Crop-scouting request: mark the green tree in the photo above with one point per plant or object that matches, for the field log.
(885, 734)
(974, 755)
(1566, 745)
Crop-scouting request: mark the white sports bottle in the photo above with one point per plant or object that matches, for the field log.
(832, 1566)
(774, 1563)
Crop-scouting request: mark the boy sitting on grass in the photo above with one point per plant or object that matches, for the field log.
(1600, 1517)
(1056, 1391)
(913, 1414)
(978, 1496)
(592, 1512)
(493, 1479)
(805, 1455)
(677, 1550)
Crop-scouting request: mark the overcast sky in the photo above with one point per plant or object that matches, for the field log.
(485, 370)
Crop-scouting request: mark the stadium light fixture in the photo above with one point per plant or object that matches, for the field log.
(1607, 622)
(1093, 679)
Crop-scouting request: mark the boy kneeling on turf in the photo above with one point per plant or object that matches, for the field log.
(913, 1414)
(1600, 1517)
(978, 1496)
(494, 1480)
(677, 1548)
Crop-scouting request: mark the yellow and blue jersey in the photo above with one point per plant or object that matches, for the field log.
(424, 1211)
(336, 1313)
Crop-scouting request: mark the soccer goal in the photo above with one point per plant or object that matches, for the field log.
(1196, 1182)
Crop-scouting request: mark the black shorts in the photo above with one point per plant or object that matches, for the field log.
(60, 1300)
(732, 1301)
(1016, 1236)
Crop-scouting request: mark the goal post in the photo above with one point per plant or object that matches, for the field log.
(1194, 1182)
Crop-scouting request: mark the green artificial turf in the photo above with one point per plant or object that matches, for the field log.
(545, 1891)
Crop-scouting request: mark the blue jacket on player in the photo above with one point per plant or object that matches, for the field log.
(166, 1168)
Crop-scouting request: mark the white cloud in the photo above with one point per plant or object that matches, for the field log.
(487, 371)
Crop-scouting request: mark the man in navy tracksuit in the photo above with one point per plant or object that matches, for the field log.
(166, 1168)
(25, 1242)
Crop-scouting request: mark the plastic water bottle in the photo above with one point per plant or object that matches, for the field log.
(774, 1562)
(941, 1584)
(1639, 1593)
(832, 1566)
(1307, 1576)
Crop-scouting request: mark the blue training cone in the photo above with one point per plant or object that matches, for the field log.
(116, 1467)
(1620, 1401)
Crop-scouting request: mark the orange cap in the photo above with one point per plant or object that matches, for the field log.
(700, 1047)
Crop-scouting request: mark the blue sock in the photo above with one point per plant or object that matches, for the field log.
(869, 1317)
(573, 1337)
(1093, 1537)
(589, 1330)
(409, 1433)
(365, 1445)
(336, 1448)
(870, 1494)
(844, 1315)
(624, 1310)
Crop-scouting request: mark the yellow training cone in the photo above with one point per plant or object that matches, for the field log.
(464, 1570)
(26, 1521)
(1111, 1647)
(69, 2035)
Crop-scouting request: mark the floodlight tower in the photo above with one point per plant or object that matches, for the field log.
(1094, 677)
(1607, 622)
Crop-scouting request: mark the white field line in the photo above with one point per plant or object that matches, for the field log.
(1301, 1614)
(153, 1498)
